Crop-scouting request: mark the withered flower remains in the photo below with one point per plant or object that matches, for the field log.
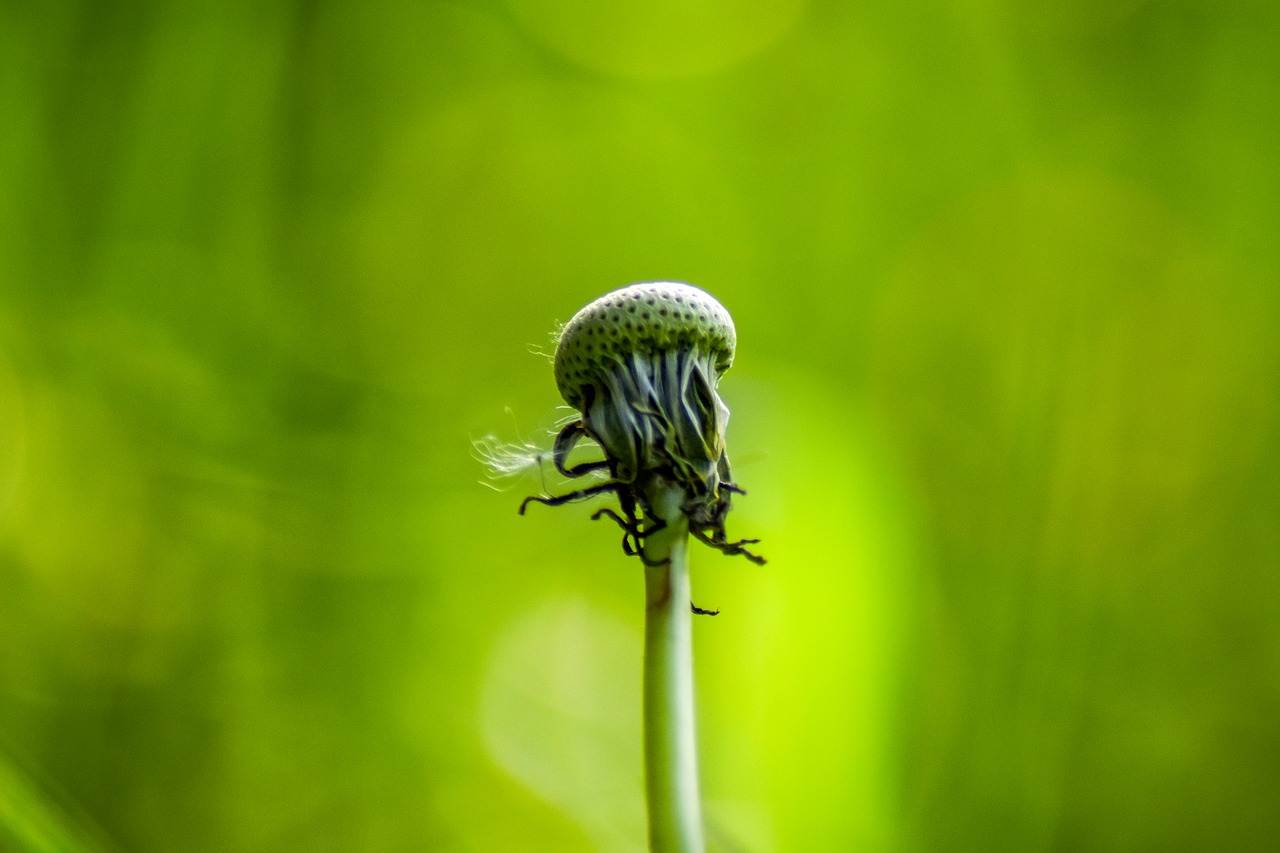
(642, 365)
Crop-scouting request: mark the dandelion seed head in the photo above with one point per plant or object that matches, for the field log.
(646, 319)
(639, 369)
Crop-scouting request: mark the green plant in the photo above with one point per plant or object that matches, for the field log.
(642, 365)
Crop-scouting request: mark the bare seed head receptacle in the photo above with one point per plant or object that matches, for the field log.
(642, 365)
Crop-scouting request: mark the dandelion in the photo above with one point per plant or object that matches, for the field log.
(641, 365)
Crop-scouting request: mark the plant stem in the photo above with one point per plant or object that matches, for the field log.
(670, 738)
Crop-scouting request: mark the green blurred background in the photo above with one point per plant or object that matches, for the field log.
(1005, 279)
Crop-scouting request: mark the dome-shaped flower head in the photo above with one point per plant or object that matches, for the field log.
(642, 365)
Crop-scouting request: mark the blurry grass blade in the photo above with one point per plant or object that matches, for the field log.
(30, 822)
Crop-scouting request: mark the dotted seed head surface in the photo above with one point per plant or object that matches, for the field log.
(642, 318)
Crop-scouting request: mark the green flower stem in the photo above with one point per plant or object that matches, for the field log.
(670, 737)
